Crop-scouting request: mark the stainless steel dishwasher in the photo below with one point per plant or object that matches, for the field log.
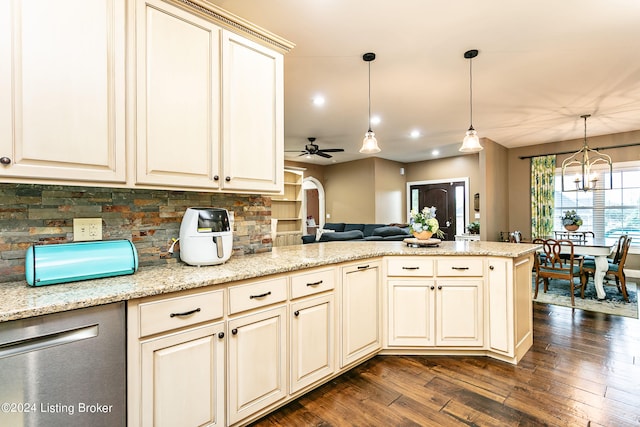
(64, 369)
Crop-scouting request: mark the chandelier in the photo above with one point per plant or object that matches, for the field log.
(580, 170)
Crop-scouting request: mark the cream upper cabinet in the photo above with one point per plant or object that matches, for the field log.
(178, 97)
(62, 90)
(253, 122)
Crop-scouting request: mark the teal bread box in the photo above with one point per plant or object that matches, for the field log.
(70, 262)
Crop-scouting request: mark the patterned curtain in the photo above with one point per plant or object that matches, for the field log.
(543, 171)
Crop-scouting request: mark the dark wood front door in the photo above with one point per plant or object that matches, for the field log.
(445, 197)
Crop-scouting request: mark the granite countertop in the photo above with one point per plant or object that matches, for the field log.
(18, 300)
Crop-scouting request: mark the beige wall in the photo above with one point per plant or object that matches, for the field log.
(390, 192)
(349, 191)
(494, 202)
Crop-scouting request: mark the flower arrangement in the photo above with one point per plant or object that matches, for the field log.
(425, 220)
(571, 218)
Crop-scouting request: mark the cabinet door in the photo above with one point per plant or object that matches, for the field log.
(360, 312)
(312, 341)
(257, 362)
(183, 378)
(62, 90)
(500, 308)
(459, 312)
(253, 126)
(178, 97)
(411, 312)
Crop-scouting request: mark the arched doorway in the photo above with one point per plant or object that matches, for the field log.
(314, 202)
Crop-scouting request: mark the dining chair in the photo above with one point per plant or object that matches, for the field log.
(615, 268)
(550, 265)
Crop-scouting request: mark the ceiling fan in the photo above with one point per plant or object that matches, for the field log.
(311, 148)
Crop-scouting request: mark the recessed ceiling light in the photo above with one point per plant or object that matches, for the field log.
(415, 133)
(375, 120)
(435, 152)
(318, 100)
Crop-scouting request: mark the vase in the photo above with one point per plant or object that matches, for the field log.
(571, 227)
(423, 235)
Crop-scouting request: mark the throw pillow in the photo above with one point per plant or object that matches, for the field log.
(321, 231)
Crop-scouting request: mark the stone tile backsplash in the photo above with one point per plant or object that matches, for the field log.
(43, 214)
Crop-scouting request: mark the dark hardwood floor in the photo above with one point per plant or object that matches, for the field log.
(583, 370)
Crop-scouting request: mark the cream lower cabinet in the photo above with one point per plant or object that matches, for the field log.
(424, 310)
(62, 91)
(312, 328)
(257, 355)
(510, 312)
(183, 378)
(311, 356)
(176, 360)
(459, 312)
(360, 319)
(257, 346)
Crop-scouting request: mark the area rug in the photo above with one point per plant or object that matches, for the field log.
(558, 294)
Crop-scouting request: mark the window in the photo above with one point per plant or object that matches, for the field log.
(609, 213)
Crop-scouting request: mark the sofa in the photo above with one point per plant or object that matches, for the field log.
(340, 231)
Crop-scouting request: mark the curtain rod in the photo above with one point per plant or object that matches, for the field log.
(574, 151)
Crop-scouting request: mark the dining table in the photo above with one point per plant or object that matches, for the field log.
(600, 250)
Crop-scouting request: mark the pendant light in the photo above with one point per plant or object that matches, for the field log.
(369, 143)
(471, 142)
(588, 161)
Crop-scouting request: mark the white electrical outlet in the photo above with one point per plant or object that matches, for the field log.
(85, 229)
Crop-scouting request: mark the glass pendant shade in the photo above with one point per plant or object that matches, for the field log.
(471, 142)
(370, 143)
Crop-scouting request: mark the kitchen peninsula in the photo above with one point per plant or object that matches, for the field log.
(252, 334)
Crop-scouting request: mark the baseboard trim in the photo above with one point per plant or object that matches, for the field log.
(632, 273)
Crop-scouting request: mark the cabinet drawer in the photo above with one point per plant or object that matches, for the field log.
(257, 294)
(460, 267)
(172, 313)
(409, 266)
(312, 282)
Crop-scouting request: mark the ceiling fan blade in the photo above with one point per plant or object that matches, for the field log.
(332, 150)
(322, 154)
(295, 151)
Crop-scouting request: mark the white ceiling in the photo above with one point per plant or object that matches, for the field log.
(542, 64)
